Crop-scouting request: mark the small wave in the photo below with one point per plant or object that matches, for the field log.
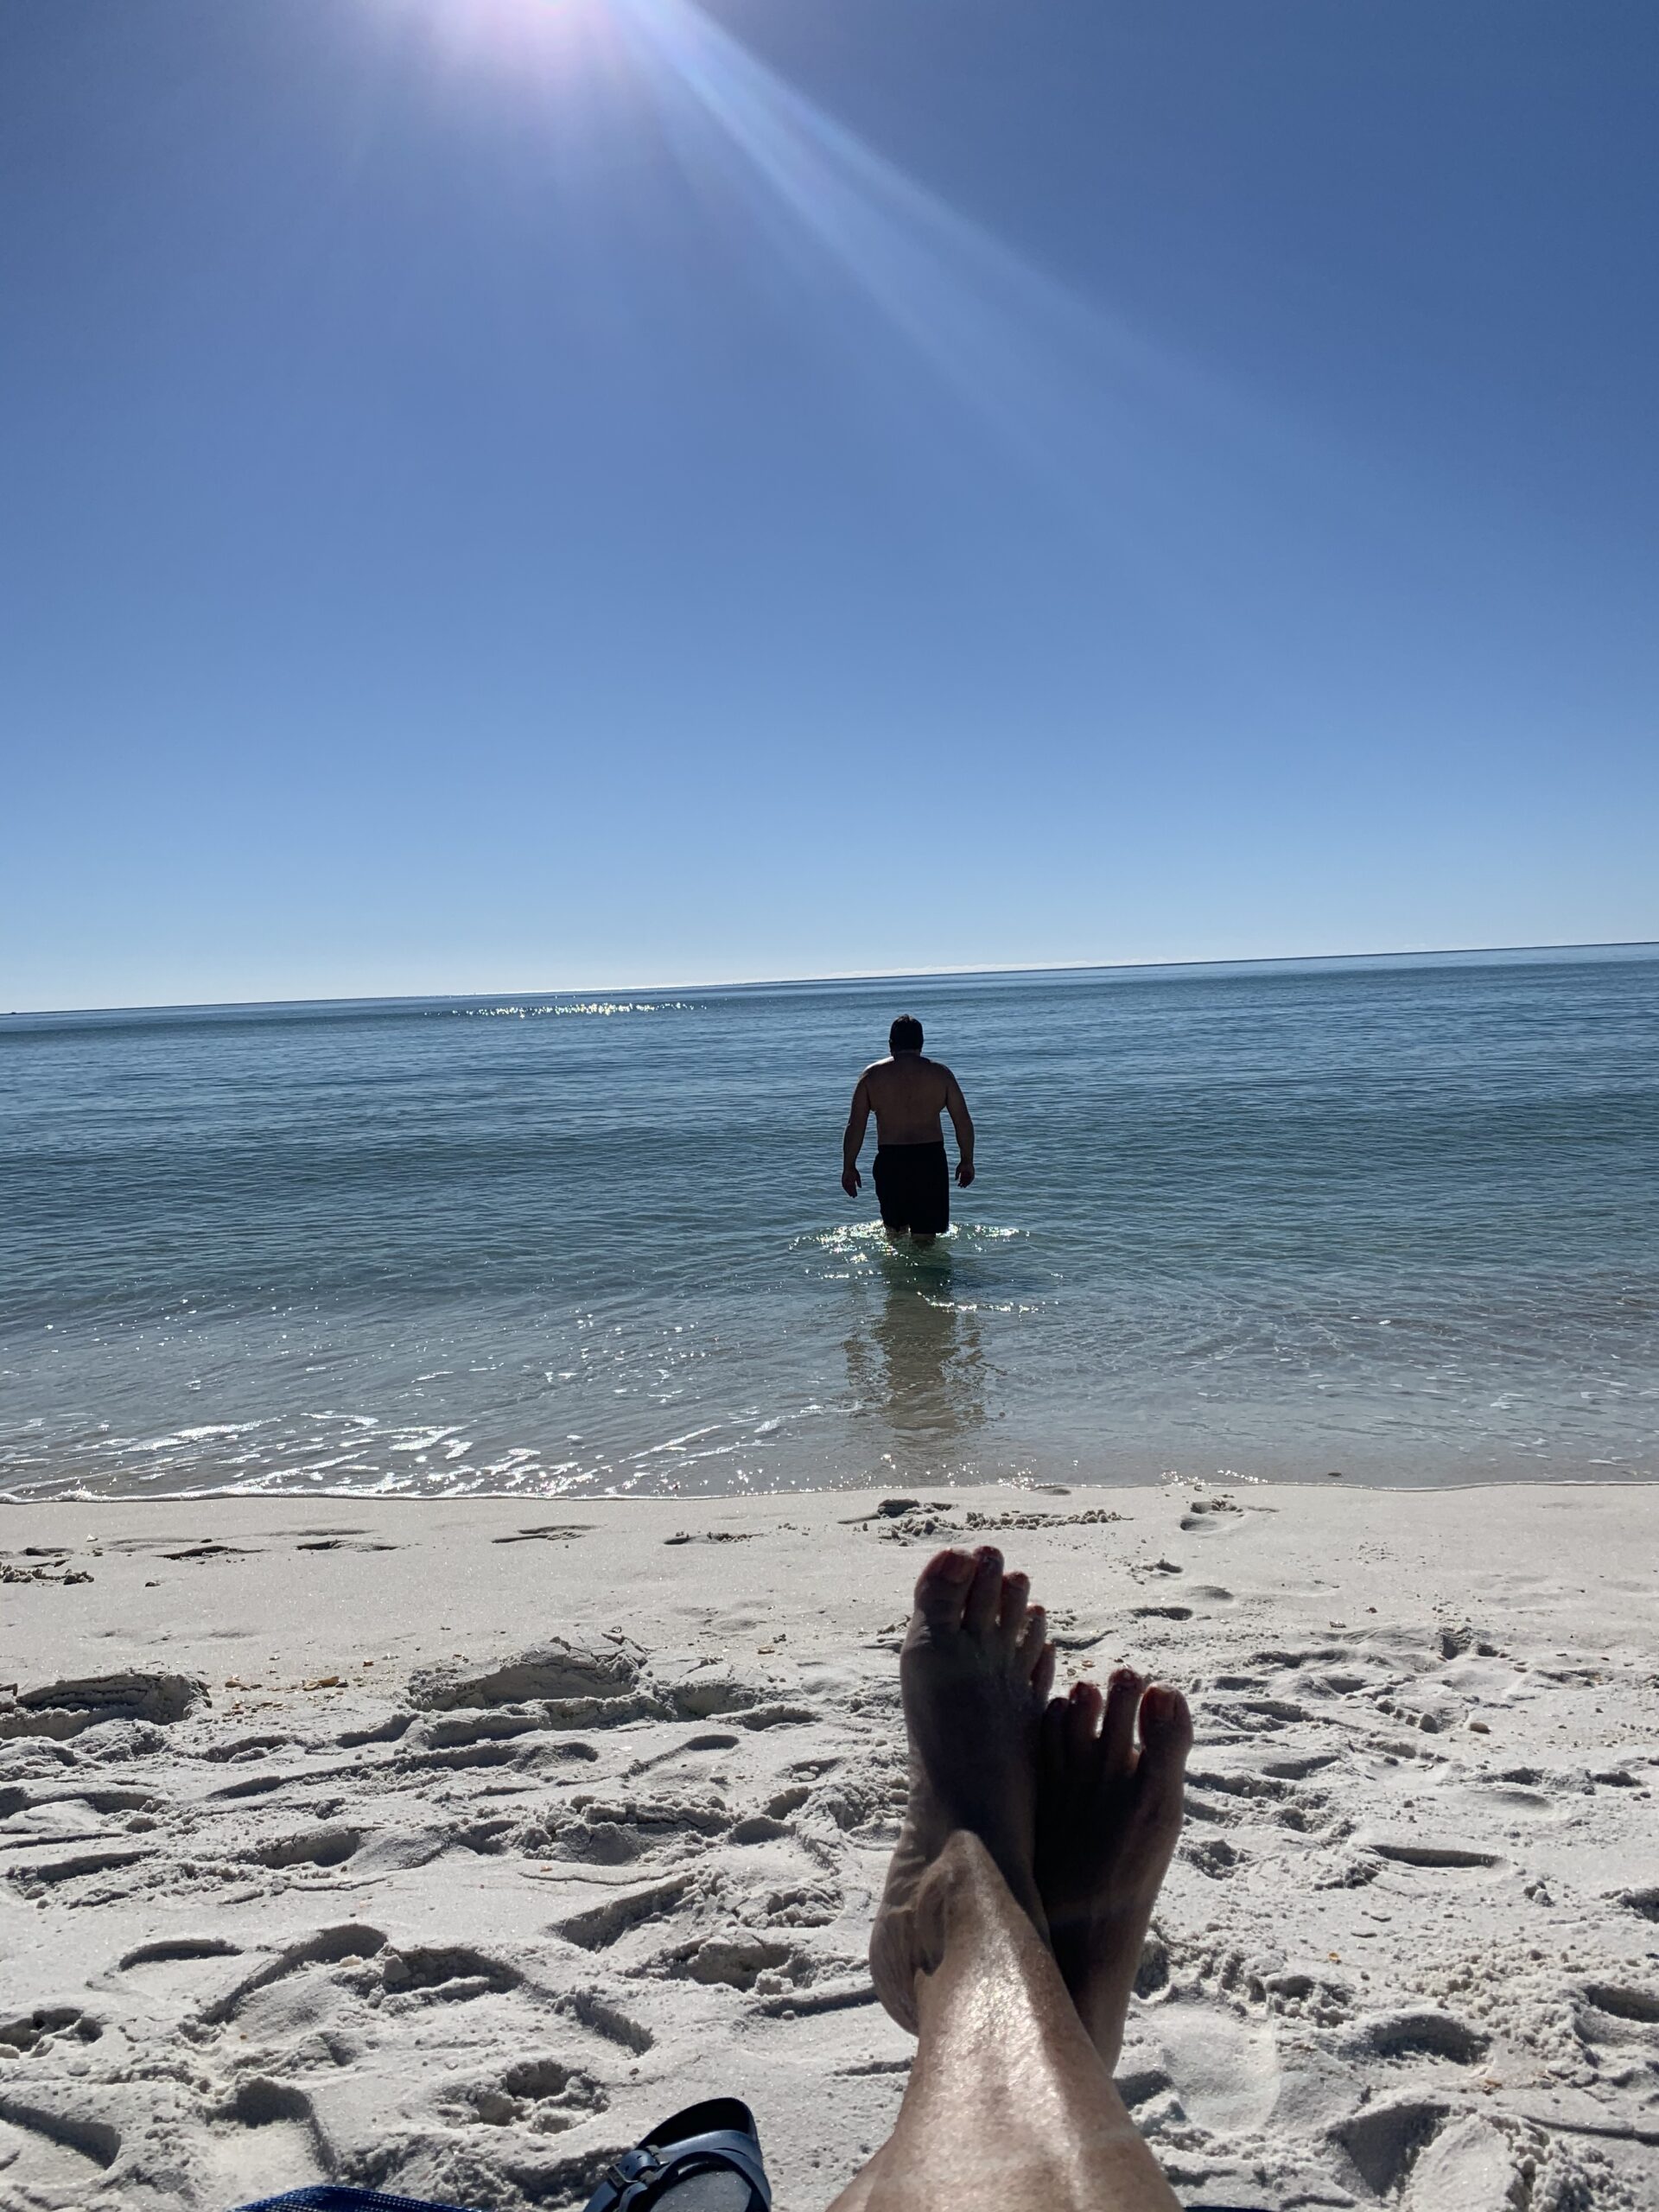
(172, 1441)
(859, 1238)
(680, 1443)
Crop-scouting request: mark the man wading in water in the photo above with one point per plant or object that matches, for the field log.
(907, 1094)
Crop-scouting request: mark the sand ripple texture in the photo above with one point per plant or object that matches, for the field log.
(439, 1850)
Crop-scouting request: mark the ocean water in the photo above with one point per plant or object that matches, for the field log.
(1393, 1219)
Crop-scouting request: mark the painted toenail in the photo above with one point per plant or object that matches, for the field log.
(954, 1566)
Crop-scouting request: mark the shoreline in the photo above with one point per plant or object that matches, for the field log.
(323, 1891)
(1026, 1483)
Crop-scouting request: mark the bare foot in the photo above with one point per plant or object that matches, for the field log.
(975, 1673)
(1109, 1815)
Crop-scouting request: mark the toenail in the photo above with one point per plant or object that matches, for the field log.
(988, 1555)
(955, 1567)
(1125, 1678)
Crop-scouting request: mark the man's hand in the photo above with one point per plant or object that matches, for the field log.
(964, 1173)
(858, 1119)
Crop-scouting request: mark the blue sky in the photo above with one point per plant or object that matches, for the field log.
(513, 493)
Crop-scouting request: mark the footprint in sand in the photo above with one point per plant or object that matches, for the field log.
(1214, 1857)
(1439, 1857)
(1474, 2163)
(544, 2094)
(389, 1731)
(444, 1734)
(68, 1709)
(611, 1832)
(737, 1960)
(1421, 2034)
(327, 1947)
(1616, 2012)
(258, 2101)
(591, 2010)
(552, 1532)
(447, 1973)
(1297, 1769)
(40, 2112)
(36, 1877)
(601, 1925)
(1384, 2141)
(247, 1747)
(34, 2030)
(324, 1846)
(1211, 1515)
(337, 1539)
(183, 1967)
(1225, 2072)
(560, 1684)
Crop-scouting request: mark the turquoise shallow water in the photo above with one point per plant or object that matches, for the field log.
(1399, 1219)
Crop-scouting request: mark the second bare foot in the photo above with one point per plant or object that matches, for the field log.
(975, 1673)
(1108, 1815)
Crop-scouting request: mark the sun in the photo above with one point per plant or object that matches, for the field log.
(522, 39)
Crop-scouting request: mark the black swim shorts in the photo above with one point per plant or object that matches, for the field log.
(913, 1182)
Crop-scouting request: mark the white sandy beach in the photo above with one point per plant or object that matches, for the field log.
(304, 1877)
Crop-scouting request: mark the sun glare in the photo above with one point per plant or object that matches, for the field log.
(1124, 432)
(527, 39)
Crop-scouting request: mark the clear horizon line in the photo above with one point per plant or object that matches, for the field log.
(860, 976)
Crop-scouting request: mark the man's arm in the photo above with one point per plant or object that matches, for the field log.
(858, 1119)
(963, 1123)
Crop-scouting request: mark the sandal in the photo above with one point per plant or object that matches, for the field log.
(706, 2158)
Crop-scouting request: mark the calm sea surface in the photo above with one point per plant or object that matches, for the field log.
(1399, 1219)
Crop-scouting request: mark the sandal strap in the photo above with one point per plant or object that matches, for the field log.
(628, 2178)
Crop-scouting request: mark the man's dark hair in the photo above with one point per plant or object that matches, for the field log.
(905, 1034)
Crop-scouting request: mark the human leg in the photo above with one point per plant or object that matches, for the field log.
(1010, 2100)
(1009, 2104)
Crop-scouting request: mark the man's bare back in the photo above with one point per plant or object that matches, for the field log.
(907, 1093)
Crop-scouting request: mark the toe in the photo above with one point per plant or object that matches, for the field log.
(1083, 1711)
(1117, 1730)
(1053, 1745)
(1034, 1635)
(984, 1597)
(1165, 1740)
(941, 1586)
(1011, 1621)
(1042, 1675)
